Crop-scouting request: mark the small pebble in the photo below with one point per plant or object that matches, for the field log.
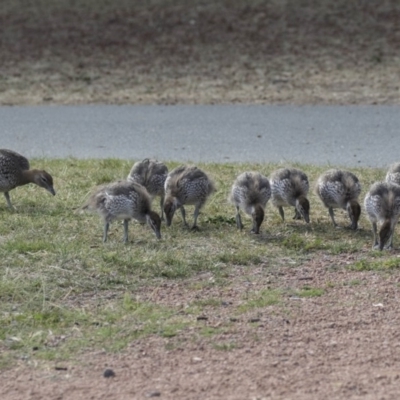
(108, 373)
(154, 394)
(306, 278)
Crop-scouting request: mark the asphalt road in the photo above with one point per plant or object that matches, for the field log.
(323, 135)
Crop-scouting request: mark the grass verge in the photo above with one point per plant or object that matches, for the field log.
(62, 291)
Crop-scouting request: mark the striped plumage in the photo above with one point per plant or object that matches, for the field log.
(340, 189)
(250, 192)
(393, 174)
(124, 200)
(289, 187)
(186, 185)
(382, 204)
(152, 175)
(14, 171)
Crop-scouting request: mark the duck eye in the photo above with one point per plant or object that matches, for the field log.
(44, 179)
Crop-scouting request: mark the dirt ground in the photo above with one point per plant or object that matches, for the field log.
(229, 51)
(344, 344)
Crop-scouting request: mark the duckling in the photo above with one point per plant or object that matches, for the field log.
(289, 187)
(152, 175)
(250, 192)
(382, 204)
(14, 171)
(340, 189)
(186, 185)
(393, 174)
(124, 200)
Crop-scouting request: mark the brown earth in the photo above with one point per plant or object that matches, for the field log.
(343, 344)
(166, 52)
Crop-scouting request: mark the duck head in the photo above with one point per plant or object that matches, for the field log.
(303, 207)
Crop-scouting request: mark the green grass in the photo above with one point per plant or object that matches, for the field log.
(385, 264)
(62, 291)
(224, 346)
(308, 291)
(262, 299)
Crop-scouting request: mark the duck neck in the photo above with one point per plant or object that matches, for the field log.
(27, 176)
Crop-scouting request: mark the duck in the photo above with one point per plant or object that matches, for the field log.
(250, 192)
(393, 174)
(123, 200)
(289, 187)
(152, 175)
(186, 185)
(382, 204)
(340, 189)
(15, 171)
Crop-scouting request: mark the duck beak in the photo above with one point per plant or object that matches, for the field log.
(51, 190)
(256, 228)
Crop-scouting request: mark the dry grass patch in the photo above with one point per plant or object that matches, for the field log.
(162, 51)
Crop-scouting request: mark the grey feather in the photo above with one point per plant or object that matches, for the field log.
(382, 204)
(250, 192)
(186, 185)
(123, 200)
(15, 171)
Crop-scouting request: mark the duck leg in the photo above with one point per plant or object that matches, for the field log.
(183, 212)
(7, 196)
(126, 221)
(281, 213)
(389, 245)
(106, 226)
(195, 216)
(238, 219)
(332, 214)
(162, 207)
(375, 244)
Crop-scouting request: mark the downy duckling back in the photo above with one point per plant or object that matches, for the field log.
(124, 200)
(289, 187)
(250, 192)
(186, 185)
(152, 175)
(340, 189)
(382, 204)
(393, 174)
